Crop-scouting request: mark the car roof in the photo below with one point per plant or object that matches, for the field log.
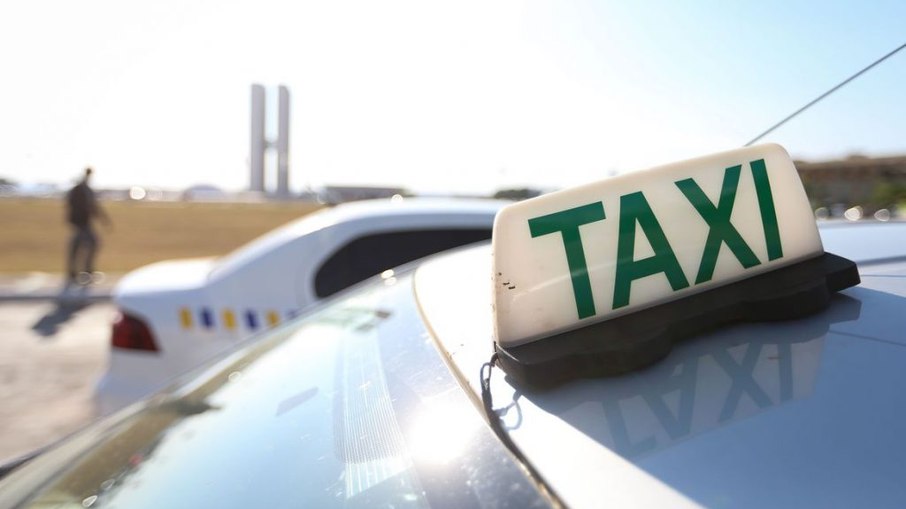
(784, 413)
(866, 242)
(439, 211)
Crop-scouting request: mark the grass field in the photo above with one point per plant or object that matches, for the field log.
(34, 234)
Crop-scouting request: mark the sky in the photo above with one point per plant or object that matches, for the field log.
(437, 97)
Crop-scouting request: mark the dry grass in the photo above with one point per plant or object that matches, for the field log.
(33, 232)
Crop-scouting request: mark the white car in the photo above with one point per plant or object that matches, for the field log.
(176, 314)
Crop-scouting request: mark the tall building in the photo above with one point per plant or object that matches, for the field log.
(259, 144)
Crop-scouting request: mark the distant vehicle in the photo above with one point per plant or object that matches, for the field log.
(204, 192)
(176, 314)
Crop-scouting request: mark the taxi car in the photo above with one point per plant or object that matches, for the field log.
(631, 343)
(173, 315)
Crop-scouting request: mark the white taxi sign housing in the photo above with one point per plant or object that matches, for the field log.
(630, 242)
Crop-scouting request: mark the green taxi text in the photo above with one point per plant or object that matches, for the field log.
(635, 212)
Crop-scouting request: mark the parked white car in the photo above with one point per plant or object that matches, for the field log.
(176, 314)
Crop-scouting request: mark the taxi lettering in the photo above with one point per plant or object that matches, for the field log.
(636, 212)
(699, 406)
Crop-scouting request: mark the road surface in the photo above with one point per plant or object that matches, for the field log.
(50, 357)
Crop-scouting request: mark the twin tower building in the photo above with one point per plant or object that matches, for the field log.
(260, 144)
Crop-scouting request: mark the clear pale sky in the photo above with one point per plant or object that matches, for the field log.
(464, 96)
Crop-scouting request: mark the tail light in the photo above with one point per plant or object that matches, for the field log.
(131, 333)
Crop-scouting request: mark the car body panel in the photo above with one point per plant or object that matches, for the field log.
(868, 243)
(170, 276)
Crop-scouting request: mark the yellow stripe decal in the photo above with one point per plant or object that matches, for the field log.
(185, 318)
(229, 319)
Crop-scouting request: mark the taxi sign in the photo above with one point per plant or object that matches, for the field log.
(622, 249)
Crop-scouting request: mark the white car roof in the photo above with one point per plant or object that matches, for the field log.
(792, 413)
(438, 211)
(865, 242)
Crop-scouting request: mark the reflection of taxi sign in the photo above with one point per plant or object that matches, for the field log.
(603, 278)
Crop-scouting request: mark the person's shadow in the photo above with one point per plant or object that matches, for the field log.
(49, 324)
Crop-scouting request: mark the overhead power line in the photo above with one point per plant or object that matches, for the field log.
(822, 96)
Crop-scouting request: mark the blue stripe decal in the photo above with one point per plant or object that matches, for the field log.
(207, 318)
(251, 319)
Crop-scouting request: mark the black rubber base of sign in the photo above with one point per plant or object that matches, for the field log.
(629, 342)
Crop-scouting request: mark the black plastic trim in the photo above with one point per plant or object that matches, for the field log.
(629, 342)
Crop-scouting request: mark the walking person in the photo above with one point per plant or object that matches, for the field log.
(81, 210)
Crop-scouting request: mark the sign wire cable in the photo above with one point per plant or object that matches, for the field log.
(497, 427)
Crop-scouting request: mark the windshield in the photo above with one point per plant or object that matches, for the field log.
(348, 407)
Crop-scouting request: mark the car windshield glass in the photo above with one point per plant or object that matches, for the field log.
(350, 406)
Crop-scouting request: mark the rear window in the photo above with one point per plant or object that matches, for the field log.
(372, 254)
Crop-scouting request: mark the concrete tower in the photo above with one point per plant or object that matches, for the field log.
(258, 143)
(283, 142)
